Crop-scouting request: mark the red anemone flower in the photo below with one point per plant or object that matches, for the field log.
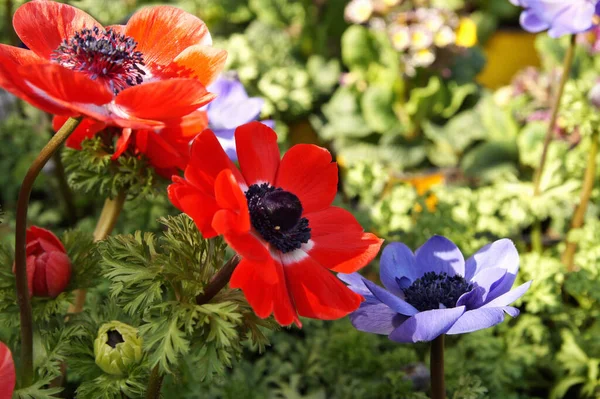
(7, 373)
(149, 73)
(167, 150)
(277, 215)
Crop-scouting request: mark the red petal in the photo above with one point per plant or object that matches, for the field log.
(338, 241)
(58, 273)
(200, 62)
(86, 129)
(39, 286)
(162, 32)
(31, 266)
(265, 298)
(11, 59)
(230, 197)
(43, 25)
(67, 87)
(122, 143)
(7, 372)
(164, 99)
(307, 171)
(345, 252)
(47, 239)
(194, 203)
(317, 293)
(188, 126)
(207, 160)
(257, 152)
(20, 56)
(159, 152)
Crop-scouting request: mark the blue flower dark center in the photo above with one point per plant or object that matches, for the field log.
(277, 215)
(104, 55)
(114, 338)
(433, 289)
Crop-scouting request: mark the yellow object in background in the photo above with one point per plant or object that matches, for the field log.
(507, 53)
(422, 184)
(466, 34)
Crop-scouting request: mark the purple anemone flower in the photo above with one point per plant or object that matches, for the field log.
(231, 108)
(434, 291)
(560, 17)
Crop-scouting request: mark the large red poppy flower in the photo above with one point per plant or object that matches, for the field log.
(148, 73)
(277, 215)
(7, 373)
(167, 150)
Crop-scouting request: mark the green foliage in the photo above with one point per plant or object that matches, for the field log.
(91, 170)
(158, 278)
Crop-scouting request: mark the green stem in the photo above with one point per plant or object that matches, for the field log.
(567, 63)
(568, 257)
(20, 239)
(13, 39)
(536, 237)
(105, 225)
(65, 190)
(219, 281)
(436, 364)
(154, 384)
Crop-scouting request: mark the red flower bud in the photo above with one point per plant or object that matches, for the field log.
(48, 266)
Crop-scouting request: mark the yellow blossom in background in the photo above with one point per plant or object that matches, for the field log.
(422, 185)
(466, 34)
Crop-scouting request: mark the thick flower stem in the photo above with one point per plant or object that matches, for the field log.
(105, 225)
(219, 281)
(586, 193)
(436, 365)
(567, 63)
(20, 239)
(155, 384)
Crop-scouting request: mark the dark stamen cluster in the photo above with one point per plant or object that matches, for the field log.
(427, 292)
(276, 215)
(114, 338)
(102, 54)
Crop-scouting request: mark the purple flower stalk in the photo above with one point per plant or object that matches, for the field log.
(231, 108)
(434, 291)
(559, 17)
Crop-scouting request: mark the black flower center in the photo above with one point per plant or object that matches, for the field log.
(433, 289)
(104, 55)
(277, 215)
(114, 338)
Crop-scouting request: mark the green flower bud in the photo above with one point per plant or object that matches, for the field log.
(117, 347)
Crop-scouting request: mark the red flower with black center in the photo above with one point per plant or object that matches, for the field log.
(7, 373)
(277, 215)
(167, 150)
(149, 73)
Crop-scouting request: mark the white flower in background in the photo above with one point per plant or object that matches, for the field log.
(400, 37)
(359, 11)
(422, 58)
(420, 37)
(444, 37)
